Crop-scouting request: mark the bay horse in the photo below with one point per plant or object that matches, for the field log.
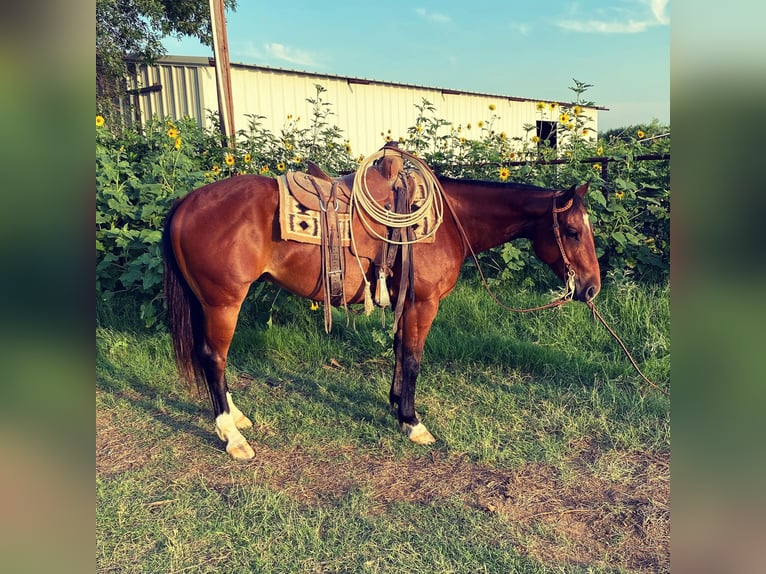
(222, 237)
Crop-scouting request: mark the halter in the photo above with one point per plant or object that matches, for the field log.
(570, 275)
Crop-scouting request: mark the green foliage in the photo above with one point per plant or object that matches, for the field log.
(140, 173)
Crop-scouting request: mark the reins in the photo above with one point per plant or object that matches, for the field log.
(566, 297)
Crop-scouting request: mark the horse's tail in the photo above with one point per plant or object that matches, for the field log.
(184, 312)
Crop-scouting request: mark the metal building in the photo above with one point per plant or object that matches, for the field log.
(365, 110)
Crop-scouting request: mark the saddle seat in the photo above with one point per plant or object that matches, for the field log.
(309, 188)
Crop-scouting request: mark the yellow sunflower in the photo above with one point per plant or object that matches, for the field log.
(264, 169)
(216, 170)
(640, 134)
(492, 107)
(504, 173)
(229, 159)
(247, 158)
(99, 121)
(535, 139)
(178, 143)
(281, 166)
(577, 110)
(172, 133)
(619, 194)
(564, 118)
(540, 106)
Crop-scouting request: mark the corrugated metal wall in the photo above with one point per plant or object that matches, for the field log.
(362, 109)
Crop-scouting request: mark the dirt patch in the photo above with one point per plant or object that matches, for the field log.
(576, 517)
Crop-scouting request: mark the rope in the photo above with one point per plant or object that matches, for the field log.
(624, 348)
(361, 196)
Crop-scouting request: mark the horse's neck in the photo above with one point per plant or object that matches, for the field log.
(492, 215)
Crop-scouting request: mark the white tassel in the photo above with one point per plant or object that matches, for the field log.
(382, 290)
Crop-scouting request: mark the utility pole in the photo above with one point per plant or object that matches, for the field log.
(222, 69)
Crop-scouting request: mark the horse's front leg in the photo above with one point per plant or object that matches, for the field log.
(415, 323)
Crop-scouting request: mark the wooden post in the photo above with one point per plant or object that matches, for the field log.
(222, 70)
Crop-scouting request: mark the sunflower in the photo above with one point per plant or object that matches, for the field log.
(99, 121)
(480, 124)
(564, 118)
(492, 107)
(281, 166)
(619, 194)
(585, 131)
(229, 159)
(553, 105)
(597, 166)
(247, 157)
(640, 134)
(264, 169)
(504, 173)
(600, 150)
(577, 110)
(172, 133)
(540, 106)
(535, 139)
(216, 170)
(178, 143)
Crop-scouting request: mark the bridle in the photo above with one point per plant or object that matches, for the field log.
(569, 282)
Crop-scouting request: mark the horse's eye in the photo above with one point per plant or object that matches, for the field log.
(572, 233)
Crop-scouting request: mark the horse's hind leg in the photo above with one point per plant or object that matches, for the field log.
(220, 323)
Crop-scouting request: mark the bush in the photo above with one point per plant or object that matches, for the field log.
(140, 172)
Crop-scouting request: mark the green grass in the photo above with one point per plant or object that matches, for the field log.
(505, 395)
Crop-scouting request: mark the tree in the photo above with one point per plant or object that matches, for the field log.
(137, 27)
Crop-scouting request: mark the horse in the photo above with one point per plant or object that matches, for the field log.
(222, 237)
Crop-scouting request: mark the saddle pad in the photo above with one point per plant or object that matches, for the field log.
(298, 223)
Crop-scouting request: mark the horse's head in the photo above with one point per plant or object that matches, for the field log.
(564, 240)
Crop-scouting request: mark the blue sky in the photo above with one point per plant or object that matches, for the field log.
(524, 49)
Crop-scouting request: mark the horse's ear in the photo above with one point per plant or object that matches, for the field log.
(583, 189)
(565, 195)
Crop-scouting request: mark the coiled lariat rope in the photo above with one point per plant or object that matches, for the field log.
(361, 196)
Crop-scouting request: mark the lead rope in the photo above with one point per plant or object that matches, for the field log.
(563, 299)
(624, 348)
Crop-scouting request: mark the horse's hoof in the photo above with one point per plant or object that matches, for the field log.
(240, 451)
(418, 434)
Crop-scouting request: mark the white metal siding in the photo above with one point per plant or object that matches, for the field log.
(362, 109)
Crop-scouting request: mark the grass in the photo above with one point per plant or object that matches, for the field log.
(552, 455)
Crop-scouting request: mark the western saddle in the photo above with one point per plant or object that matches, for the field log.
(316, 191)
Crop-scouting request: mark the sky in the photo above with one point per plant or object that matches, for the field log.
(523, 49)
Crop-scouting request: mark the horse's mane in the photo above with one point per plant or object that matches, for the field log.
(495, 184)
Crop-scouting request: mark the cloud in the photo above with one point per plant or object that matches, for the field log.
(292, 55)
(659, 8)
(635, 21)
(521, 27)
(437, 17)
